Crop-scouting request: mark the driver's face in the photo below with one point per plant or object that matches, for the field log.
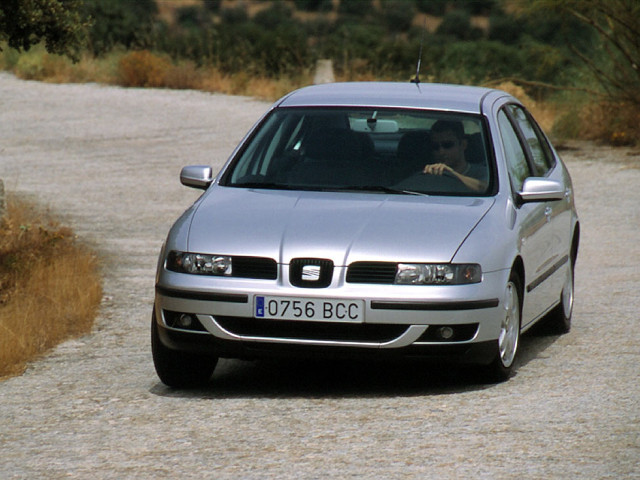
(447, 148)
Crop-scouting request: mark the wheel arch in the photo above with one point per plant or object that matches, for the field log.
(518, 268)
(575, 243)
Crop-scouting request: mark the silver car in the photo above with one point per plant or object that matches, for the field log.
(371, 219)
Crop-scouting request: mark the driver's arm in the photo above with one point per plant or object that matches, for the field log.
(470, 182)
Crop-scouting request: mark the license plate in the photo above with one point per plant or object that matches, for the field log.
(312, 309)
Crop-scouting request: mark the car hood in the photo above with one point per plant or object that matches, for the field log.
(343, 227)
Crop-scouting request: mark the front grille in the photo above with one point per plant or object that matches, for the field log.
(323, 280)
(319, 331)
(372, 272)
(255, 267)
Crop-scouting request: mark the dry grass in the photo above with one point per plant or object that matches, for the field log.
(212, 80)
(50, 287)
(147, 69)
(141, 68)
(613, 123)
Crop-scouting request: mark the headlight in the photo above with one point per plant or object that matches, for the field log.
(437, 274)
(199, 263)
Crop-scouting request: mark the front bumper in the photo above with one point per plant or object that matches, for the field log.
(480, 353)
(398, 320)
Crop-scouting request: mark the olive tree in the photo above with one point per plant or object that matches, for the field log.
(57, 23)
(615, 57)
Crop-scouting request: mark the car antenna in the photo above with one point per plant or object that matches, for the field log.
(416, 79)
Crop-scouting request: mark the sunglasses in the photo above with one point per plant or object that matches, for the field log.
(445, 145)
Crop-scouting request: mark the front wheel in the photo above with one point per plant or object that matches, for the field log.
(509, 339)
(179, 369)
(559, 318)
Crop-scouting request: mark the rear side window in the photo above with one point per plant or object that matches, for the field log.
(515, 155)
(541, 155)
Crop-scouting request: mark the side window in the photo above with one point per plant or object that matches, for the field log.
(515, 156)
(540, 152)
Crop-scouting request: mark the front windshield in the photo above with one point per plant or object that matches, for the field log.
(369, 150)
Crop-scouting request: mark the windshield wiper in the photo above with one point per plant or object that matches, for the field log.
(380, 188)
(349, 188)
(265, 185)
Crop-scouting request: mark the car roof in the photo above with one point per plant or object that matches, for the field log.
(432, 96)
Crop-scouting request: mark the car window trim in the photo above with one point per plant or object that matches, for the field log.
(520, 138)
(528, 155)
(540, 136)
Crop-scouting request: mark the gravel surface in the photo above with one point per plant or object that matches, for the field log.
(108, 159)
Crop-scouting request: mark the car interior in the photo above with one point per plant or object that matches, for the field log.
(352, 149)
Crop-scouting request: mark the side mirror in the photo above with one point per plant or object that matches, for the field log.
(536, 189)
(196, 176)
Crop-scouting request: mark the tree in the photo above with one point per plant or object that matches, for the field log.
(615, 60)
(457, 24)
(59, 23)
(120, 22)
(398, 14)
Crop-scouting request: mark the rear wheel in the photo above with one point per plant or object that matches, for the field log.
(179, 369)
(509, 339)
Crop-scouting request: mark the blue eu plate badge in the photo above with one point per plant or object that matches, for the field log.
(260, 307)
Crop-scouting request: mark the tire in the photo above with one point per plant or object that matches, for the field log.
(501, 368)
(179, 369)
(559, 319)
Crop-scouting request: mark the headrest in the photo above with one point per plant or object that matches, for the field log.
(332, 144)
(475, 152)
(414, 145)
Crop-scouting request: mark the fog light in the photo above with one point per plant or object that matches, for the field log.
(445, 333)
(185, 321)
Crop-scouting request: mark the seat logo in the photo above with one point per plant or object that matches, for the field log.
(311, 273)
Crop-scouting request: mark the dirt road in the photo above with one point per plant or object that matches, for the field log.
(108, 159)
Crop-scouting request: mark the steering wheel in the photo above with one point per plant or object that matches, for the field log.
(423, 182)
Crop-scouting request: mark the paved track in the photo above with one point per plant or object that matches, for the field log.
(108, 159)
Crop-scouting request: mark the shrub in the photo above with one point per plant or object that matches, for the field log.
(615, 123)
(142, 69)
(432, 7)
(9, 58)
(544, 63)
(184, 75)
(212, 5)
(277, 14)
(505, 28)
(314, 5)
(398, 14)
(50, 287)
(476, 62)
(120, 22)
(29, 67)
(478, 7)
(457, 24)
(355, 7)
(234, 15)
(193, 17)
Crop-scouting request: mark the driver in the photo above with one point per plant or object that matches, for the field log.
(448, 144)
